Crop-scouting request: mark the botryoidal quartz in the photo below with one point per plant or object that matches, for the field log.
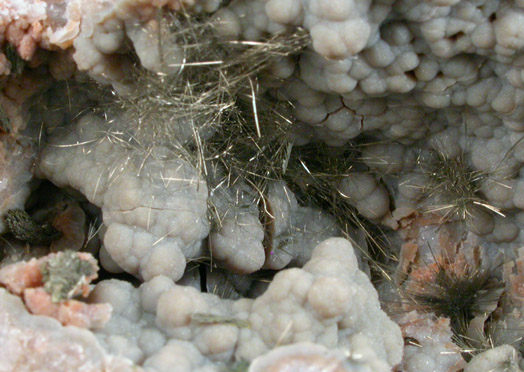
(207, 281)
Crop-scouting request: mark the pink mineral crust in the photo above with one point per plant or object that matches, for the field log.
(25, 279)
(38, 343)
(71, 312)
(21, 275)
(21, 25)
(28, 25)
(55, 25)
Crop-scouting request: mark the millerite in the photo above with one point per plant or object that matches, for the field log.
(5, 124)
(453, 188)
(17, 63)
(208, 146)
(23, 227)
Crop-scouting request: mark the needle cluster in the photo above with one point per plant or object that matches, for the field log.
(452, 188)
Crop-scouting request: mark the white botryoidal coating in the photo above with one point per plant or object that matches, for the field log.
(51, 346)
(235, 242)
(121, 295)
(293, 230)
(106, 261)
(312, 226)
(318, 358)
(281, 207)
(180, 356)
(316, 304)
(431, 348)
(388, 158)
(281, 204)
(433, 50)
(151, 290)
(408, 70)
(430, 66)
(144, 37)
(498, 359)
(174, 315)
(446, 73)
(136, 333)
(131, 331)
(237, 245)
(120, 335)
(218, 281)
(154, 210)
(339, 29)
(105, 28)
(363, 192)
